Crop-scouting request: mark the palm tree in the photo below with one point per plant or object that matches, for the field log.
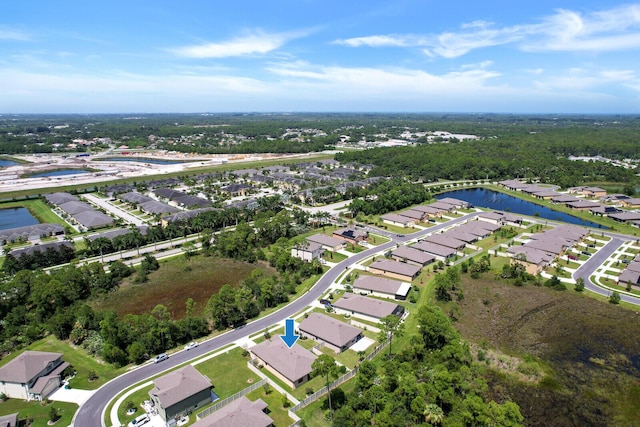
(433, 414)
(325, 365)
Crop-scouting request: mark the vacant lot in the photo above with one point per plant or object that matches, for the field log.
(175, 281)
(588, 349)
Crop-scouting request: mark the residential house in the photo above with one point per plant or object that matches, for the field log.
(180, 393)
(366, 308)
(443, 239)
(336, 335)
(632, 202)
(412, 256)
(398, 220)
(308, 251)
(441, 253)
(381, 287)
(351, 235)
(239, 413)
(292, 364)
(33, 375)
(10, 420)
(329, 243)
(395, 270)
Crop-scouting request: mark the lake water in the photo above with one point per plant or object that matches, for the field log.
(483, 198)
(142, 160)
(7, 163)
(59, 172)
(15, 217)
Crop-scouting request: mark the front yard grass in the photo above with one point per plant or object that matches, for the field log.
(78, 358)
(273, 399)
(38, 412)
(228, 372)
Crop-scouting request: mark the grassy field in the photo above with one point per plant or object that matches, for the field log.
(175, 281)
(39, 412)
(593, 368)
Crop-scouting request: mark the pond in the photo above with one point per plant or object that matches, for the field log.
(6, 163)
(484, 198)
(16, 217)
(59, 172)
(143, 160)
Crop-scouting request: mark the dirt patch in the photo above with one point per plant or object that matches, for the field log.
(587, 351)
(177, 280)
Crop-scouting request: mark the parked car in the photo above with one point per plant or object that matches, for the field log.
(586, 253)
(325, 302)
(161, 357)
(192, 344)
(138, 421)
(572, 257)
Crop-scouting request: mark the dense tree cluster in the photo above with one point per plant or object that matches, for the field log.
(36, 259)
(541, 155)
(431, 382)
(388, 196)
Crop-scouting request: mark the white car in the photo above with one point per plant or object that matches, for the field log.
(192, 344)
(138, 421)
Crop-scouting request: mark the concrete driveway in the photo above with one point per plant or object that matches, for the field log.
(71, 395)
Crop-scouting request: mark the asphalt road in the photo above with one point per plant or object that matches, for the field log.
(586, 270)
(91, 413)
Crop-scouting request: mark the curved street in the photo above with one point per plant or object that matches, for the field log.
(91, 413)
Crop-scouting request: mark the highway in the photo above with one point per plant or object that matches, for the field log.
(91, 414)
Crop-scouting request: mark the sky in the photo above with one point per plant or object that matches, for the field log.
(501, 56)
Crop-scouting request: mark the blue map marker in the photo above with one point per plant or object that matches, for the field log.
(289, 337)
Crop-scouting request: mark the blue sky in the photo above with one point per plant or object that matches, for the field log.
(116, 56)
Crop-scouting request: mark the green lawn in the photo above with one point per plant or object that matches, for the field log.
(38, 412)
(334, 256)
(277, 412)
(137, 398)
(81, 362)
(228, 372)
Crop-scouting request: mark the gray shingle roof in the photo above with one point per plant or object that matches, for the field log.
(293, 363)
(329, 329)
(239, 413)
(25, 367)
(179, 385)
(367, 306)
(395, 267)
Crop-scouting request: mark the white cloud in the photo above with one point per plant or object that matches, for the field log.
(382, 41)
(7, 33)
(257, 43)
(565, 30)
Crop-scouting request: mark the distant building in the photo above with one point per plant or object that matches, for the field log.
(351, 235)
